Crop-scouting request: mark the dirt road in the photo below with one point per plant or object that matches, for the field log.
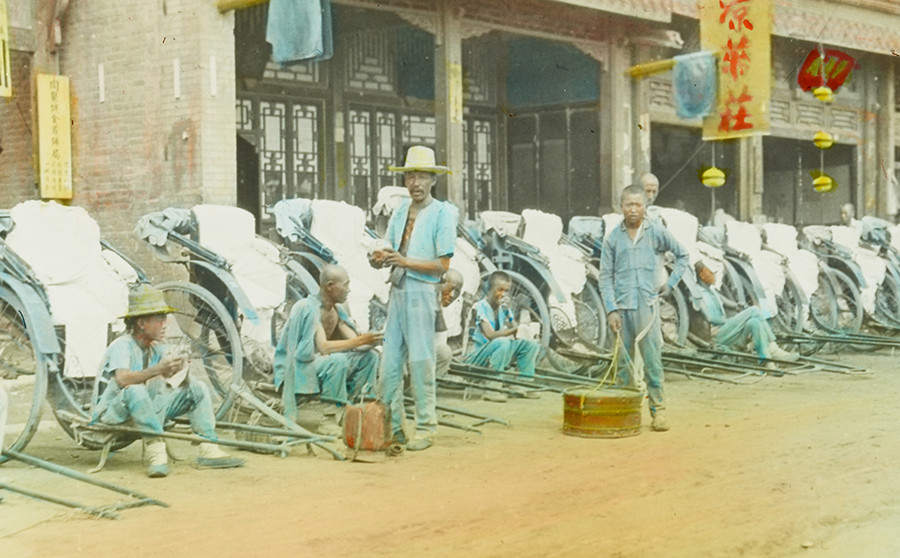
(790, 466)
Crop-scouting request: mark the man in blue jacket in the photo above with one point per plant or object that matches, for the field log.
(422, 237)
(628, 270)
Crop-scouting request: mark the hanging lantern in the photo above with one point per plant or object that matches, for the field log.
(824, 94)
(822, 182)
(823, 140)
(713, 177)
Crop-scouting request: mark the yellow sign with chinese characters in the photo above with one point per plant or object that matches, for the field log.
(5, 77)
(740, 32)
(54, 137)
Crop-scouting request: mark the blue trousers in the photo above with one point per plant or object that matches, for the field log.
(343, 376)
(153, 404)
(499, 353)
(409, 342)
(749, 324)
(633, 323)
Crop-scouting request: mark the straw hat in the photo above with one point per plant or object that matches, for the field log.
(144, 300)
(420, 159)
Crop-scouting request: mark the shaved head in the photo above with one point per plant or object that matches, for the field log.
(651, 186)
(332, 273)
(454, 277)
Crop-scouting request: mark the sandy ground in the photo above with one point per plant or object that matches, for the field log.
(791, 466)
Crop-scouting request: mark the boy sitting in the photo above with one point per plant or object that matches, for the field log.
(495, 330)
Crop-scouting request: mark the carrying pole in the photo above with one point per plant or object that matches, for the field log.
(77, 475)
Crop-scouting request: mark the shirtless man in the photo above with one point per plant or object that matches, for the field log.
(321, 346)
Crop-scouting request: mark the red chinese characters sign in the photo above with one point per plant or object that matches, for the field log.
(830, 68)
(739, 32)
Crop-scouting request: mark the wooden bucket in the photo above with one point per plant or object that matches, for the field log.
(602, 413)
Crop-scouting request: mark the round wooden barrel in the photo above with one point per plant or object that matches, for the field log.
(603, 413)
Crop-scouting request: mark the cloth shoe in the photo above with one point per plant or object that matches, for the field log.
(328, 426)
(420, 444)
(660, 422)
(778, 353)
(399, 437)
(495, 396)
(158, 455)
(211, 456)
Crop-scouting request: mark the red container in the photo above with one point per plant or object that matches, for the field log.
(602, 413)
(367, 427)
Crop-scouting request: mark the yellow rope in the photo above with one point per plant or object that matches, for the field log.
(612, 371)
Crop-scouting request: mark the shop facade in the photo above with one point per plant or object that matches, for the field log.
(178, 102)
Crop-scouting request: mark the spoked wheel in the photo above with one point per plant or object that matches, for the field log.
(591, 316)
(674, 318)
(887, 302)
(823, 304)
(790, 308)
(734, 299)
(24, 372)
(377, 314)
(203, 331)
(849, 310)
(524, 296)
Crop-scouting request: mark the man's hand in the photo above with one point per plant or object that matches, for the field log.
(394, 258)
(615, 321)
(376, 259)
(665, 291)
(170, 366)
(370, 338)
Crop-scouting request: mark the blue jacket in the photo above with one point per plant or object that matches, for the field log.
(433, 235)
(628, 268)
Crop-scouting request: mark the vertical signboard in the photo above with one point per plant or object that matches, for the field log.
(5, 78)
(54, 137)
(739, 32)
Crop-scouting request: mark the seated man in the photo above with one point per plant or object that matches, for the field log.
(495, 332)
(747, 328)
(138, 371)
(449, 290)
(321, 347)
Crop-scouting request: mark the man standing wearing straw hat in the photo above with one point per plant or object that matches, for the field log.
(628, 270)
(138, 374)
(422, 237)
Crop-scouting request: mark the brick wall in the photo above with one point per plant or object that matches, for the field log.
(17, 178)
(150, 142)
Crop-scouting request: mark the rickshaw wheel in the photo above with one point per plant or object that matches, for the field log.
(674, 318)
(25, 373)
(203, 331)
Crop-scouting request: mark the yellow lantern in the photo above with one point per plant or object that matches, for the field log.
(823, 140)
(713, 177)
(824, 94)
(823, 183)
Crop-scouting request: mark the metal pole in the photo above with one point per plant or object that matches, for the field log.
(258, 446)
(77, 475)
(248, 396)
(99, 512)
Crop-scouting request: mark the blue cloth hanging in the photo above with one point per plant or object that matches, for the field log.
(694, 79)
(296, 30)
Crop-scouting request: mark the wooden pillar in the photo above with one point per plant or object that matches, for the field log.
(886, 203)
(750, 177)
(448, 101)
(640, 127)
(867, 200)
(619, 132)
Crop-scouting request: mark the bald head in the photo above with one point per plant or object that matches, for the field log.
(331, 273)
(334, 284)
(451, 286)
(651, 186)
(848, 213)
